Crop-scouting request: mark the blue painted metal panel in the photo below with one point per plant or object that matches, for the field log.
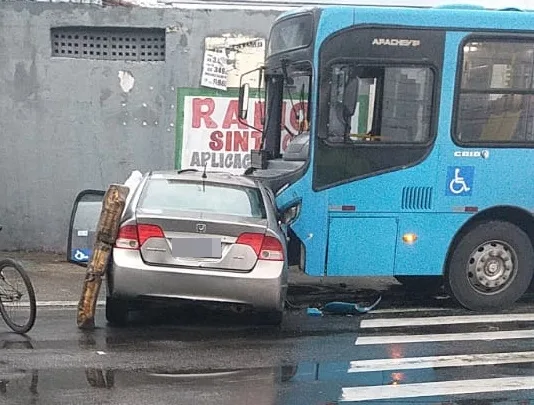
(361, 246)
(463, 19)
(312, 224)
(419, 197)
(434, 233)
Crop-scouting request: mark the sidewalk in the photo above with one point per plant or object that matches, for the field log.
(56, 282)
(59, 283)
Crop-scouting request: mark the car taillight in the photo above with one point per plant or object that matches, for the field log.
(146, 231)
(127, 237)
(134, 236)
(265, 247)
(271, 249)
(254, 240)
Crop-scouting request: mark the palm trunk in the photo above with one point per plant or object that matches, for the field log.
(108, 227)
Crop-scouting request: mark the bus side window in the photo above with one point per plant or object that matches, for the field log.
(393, 104)
(496, 93)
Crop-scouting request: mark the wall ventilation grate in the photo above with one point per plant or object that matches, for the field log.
(109, 43)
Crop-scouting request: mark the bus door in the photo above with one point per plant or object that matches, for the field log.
(381, 152)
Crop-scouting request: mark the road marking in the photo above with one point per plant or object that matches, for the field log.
(443, 320)
(445, 337)
(405, 310)
(411, 363)
(64, 303)
(51, 304)
(430, 389)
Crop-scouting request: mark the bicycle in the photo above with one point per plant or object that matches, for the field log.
(13, 292)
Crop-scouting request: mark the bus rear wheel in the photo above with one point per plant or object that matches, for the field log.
(491, 267)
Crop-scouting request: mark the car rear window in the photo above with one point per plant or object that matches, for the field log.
(194, 196)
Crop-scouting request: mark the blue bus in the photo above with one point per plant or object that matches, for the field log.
(413, 150)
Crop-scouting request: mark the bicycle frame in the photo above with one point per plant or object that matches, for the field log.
(5, 295)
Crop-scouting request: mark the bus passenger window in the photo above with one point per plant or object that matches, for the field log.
(496, 92)
(393, 104)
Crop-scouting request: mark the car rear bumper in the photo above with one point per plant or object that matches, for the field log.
(263, 288)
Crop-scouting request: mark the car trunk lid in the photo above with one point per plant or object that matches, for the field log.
(201, 240)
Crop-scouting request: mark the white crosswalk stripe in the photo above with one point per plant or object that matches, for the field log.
(446, 337)
(444, 320)
(411, 363)
(354, 394)
(427, 379)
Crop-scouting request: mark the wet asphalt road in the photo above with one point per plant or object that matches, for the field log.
(205, 358)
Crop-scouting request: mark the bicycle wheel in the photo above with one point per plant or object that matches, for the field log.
(17, 297)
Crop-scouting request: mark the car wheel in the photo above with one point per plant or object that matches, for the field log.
(116, 311)
(491, 267)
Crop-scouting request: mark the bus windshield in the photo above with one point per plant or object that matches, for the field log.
(296, 94)
(287, 107)
(290, 34)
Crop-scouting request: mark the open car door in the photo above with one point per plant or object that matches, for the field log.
(83, 223)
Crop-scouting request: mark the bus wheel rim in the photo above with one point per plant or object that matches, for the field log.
(492, 267)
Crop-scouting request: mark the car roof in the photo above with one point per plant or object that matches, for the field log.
(211, 177)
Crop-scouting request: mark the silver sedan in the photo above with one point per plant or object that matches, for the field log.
(206, 237)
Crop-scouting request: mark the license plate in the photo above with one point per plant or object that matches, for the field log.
(207, 248)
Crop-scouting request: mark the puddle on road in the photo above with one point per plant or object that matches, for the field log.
(144, 386)
(307, 383)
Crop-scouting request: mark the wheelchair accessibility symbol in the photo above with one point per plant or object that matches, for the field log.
(81, 255)
(460, 180)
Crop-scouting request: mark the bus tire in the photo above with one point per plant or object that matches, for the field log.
(491, 267)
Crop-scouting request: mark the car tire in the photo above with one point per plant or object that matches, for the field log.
(491, 267)
(116, 311)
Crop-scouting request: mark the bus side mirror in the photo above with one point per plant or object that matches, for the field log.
(350, 96)
(243, 101)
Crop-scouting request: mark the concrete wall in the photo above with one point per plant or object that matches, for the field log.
(68, 125)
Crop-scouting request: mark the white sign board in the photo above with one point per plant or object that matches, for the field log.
(226, 58)
(213, 136)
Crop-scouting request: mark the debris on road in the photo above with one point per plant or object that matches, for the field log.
(343, 308)
(314, 312)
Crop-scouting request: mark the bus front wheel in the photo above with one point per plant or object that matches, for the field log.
(491, 267)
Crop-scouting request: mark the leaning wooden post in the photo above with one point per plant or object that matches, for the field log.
(106, 233)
